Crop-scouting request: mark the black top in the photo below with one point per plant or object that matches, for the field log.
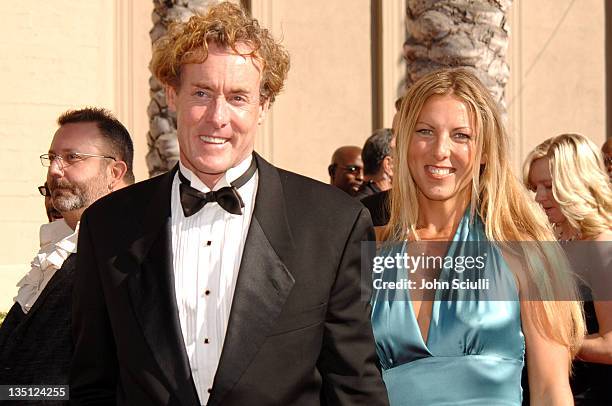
(36, 348)
(591, 381)
(379, 206)
(367, 189)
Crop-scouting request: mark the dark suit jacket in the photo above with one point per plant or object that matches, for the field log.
(298, 334)
(36, 348)
(367, 189)
(378, 206)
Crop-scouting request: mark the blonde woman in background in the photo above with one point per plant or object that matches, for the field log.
(453, 184)
(570, 183)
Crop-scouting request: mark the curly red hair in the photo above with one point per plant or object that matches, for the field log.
(226, 25)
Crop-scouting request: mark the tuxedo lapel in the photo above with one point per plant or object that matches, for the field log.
(151, 291)
(263, 284)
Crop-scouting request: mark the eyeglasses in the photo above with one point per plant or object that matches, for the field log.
(351, 168)
(70, 158)
(44, 190)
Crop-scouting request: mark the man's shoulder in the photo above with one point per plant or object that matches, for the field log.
(312, 191)
(376, 199)
(378, 206)
(367, 189)
(130, 198)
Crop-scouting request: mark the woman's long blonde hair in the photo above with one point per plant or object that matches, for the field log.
(497, 196)
(580, 184)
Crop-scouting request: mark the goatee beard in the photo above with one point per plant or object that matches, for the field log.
(66, 196)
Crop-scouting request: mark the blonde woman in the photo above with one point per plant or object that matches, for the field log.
(568, 177)
(454, 187)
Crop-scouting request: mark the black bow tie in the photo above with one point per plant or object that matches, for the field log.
(227, 197)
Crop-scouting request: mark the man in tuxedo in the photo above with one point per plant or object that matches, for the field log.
(89, 157)
(226, 281)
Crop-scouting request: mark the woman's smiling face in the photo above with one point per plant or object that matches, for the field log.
(441, 150)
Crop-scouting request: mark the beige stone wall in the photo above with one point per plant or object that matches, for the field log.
(557, 76)
(327, 100)
(557, 72)
(60, 54)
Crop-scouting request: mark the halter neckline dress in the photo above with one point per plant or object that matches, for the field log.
(474, 351)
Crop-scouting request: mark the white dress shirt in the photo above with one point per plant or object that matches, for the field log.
(207, 250)
(57, 242)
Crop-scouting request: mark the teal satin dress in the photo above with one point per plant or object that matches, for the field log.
(475, 348)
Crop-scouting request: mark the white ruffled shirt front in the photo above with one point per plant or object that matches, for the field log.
(57, 242)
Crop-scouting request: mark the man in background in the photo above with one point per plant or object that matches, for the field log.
(52, 213)
(346, 169)
(90, 156)
(377, 163)
(379, 204)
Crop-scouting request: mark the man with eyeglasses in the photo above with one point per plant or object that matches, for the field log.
(346, 169)
(90, 156)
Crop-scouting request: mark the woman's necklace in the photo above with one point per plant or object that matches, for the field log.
(574, 235)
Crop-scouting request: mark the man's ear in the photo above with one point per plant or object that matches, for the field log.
(170, 97)
(387, 165)
(331, 169)
(117, 171)
(263, 110)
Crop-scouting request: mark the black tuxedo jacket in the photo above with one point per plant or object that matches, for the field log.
(36, 348)
(299, 331)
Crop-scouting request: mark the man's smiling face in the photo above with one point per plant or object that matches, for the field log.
(218, 109)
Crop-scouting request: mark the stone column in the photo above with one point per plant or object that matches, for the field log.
(470, 33)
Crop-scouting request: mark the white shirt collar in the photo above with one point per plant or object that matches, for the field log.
(231, 175)
(54, 232)
(57, 242)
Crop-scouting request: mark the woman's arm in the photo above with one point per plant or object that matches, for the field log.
(598, 347)
(547, 365)
(547, 360)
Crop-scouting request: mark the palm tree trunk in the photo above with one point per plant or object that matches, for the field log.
(163, 150)
(469, 33)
